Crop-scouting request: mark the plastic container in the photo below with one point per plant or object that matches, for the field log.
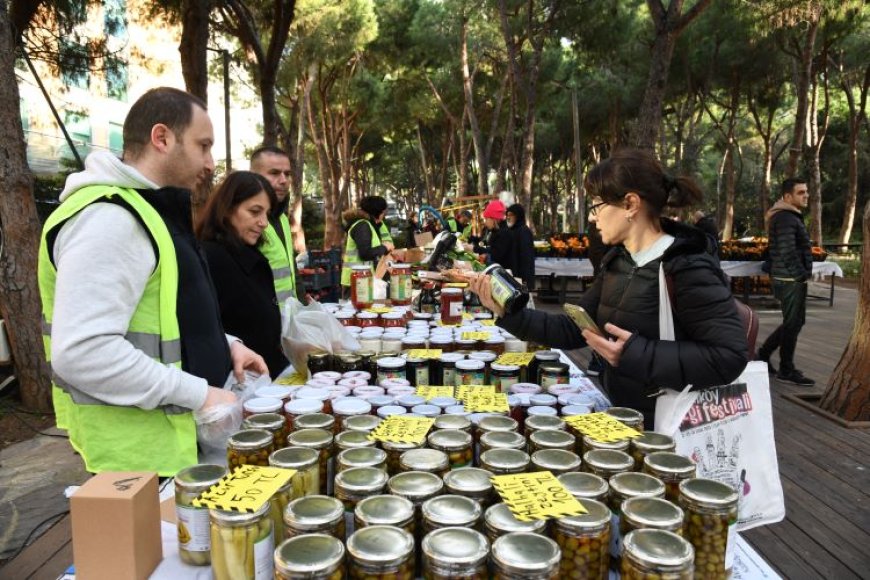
(194, 535)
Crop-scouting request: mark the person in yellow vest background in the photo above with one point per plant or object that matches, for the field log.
(131, 323)
(273, 163)
(364, 243)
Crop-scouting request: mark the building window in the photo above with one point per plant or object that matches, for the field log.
(115, 18)
(116, 138)
(74, 65)
(78, 125)
(116, 79)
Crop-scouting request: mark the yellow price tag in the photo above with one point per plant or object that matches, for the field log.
(296, 378)
(379, 309)
(520, 359)
(399, 429)
(431, 391)
(467, 316)
(601, 427)
(486, 403)
(463, 391)
(245, 490)
(487, 322)
(424, 353)
(536, 496)
(476, 335)
(455, 285)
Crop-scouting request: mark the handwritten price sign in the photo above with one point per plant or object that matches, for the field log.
(430, 392)
(476, 335)
(463, 391)
(245, 490)
(424, 353)
(486, 403)
(487, 322)
(520, 359)
(399, 429)
(601, 427)
(536, 496)
(296, 378)
(379, 309)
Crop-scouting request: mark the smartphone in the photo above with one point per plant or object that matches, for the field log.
(581, 318)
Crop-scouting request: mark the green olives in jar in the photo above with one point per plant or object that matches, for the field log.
(455, 443)
(310, 557)
(250, 447)
(314, 514)
(525, 556)
(710, 525)
(671, 468)
(649, 442)
(450, 553)
(656, 555)
(381, 553)
(585, 542)
(500, 520)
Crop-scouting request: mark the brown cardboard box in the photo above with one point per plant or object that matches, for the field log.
(414, 255)
(423, 238)
(116, 526)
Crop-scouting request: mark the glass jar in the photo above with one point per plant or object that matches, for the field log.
(551, 439)
(400, 284)
(321, 441)
(656, 554)
(394, 452)
(629, 417)
(505, 461)
(585, 542)
(525, 556)
(471, 482)
(469, 372)
(556, 461)
(606, 462)
(444, 367)
(353, 440)
(362, 457)
(542, 356)
(671, 468)
(249, 447)
(553, 373)
(381, 553)
(310, 557)
(314, 514)
(417, 371)
(361, 286)
(427, 303)
(362, 423)
(428, 460)
(456, 444)
(590, 444)
(410, 401)
(367, 320)
(320, 360)
(447, 511)
(379, 401)
(259, 405)
(451, 553)
(385, 510)
(543, 423)
(452, 422)
(649, 442)
(451, 305)
(242, 547)
(507, 292)
(391, 367)
(502, 440)
(710, 525)
(487, 357)
(316, 421)
(348, 362)
(315, 393)
(413, 342)
(583, 485)
(392, 320)
(299, 407)
(346, 317)
(504, 376)
(500, 520)
(417, 487)
(493, 423)
(349, 407)
(655, 513)
(355, 484)
(445, 344)
(306, 480)
(496, 345)
(194, 536)
(332, 376)
(622, 487)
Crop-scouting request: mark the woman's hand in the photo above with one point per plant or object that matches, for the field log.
(244, 359)
(610, 349)
(480, 285)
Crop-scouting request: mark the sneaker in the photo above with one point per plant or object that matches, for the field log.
(795, 377)
(771, 370)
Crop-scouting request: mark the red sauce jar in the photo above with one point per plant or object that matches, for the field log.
(361, 286)
(393, 320)
(451, 305)
(345, 318)
(367, 319)
(400, 284)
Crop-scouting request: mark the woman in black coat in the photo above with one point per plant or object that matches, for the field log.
(629, 191)
(230, 228)
(523, 244)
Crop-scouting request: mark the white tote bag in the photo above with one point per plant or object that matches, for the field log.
(727, 431)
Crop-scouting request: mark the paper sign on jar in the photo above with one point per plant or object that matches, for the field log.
(431, 391)
(425, 353)
(521, 359)
(536, 496)
(486, 403)
(476, 335)
(244, 490)
(462, 391)
(487, 322)
(296, 378)
(601, 427)
(399, 429)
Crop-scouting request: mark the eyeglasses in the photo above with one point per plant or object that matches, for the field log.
(593, 209)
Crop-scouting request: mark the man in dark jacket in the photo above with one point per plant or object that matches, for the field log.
(791, 266)
(522, 259)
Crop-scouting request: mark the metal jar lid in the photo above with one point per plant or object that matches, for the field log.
(353, 440)
(449, 439)
(365, 423)
(399, 446)
(651, 512)
(545, 423)
(708, 493)
(524, 552)
(452, 510)
(415, 485)
(362, 457)
(589, 443)
(585, 485)
(319, 354)
(388, 510)
(625, 415)
(267, 421)
(499, 517)
(309, 555)
(315, 421)
(505, 459)
(360, 480)
(314, 438)
(608, 460)
(251, 439)
(298, 458)
(552, 439)
(597, 515)
(650, 441)
(553, 368)
(633, 484)
(312, 512)
(455, 547)
(381, 545)
(424, 460)
(238, 519)
(662, 550)
(198, 478)
(468, 480)
(667, 463)
(452, 422)
(556, 460)
(503, 440)
(492, 423)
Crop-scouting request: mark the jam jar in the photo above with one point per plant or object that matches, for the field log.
(400, 284)
(314, 514)
(417, 371)
(590, 444)
(542, 356)
(456, 444)
(556, 461)
(274, 423)
(525, 556)
(585, 542)
(658, 554)
(381, 553)
(250, 447)
(451, 510)
(320, 440)
(355, 484)
(306, 480)
(300, 407)
(310, 557)
(242, 545)
(368, 320)
(392, 367)
(710, 525)
(392, 320)
(417, 487)
(342, 409)
(451, 305)
(500, 520)
(583, 485)
(553, 373)
(671, 468)
(447, 367)
(470, 372)
(649, 442)
(471, 482)
(502, 440)
(606, 462)
(369, 456)
(361, 286)
(345, 318)
(655, 513)
(450, 553)
(504, 376)
(194, 537)
(347, 440)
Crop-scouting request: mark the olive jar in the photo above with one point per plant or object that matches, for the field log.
(585, 542)
(455, 552)
(525, 556)
(656, 555)
(710, 525)
(310, 557)
(381, 553)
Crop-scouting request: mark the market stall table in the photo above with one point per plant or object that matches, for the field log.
(749, 269)
(563, 268)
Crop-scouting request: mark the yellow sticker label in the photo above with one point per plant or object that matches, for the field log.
(486, 403)
(467, 316)
(379, 309)
(521, 359)
(536, 496)
(431, 391)
(601, 427)
(246, 489)
(399, 429)
(424, 353)
(463, 391)
(476, 335)
(296, 378)
(487, 322)
(455, 285)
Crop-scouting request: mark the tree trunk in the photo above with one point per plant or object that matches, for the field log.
(19, 292)
(856, 116)
(728, 214)
(847, 394)
(817, 132)
(193, 46)
(476, 134)
(424, 165)
(802, 94)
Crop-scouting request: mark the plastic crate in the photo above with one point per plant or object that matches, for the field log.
(327, 259)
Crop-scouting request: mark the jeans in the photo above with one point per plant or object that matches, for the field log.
(793, 301)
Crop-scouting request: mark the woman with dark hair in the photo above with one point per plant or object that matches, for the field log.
(364, 244)
(629, 191)
(230, 228)
(523, 244)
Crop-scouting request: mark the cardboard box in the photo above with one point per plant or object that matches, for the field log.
(423, 238)
(116, 526)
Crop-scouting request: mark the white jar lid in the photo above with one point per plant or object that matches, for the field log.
(388, 410)
(351, 406)
(391, 362)
(303, 406)
(470, 365)
(309, 392)
(263, 405)
(274, 392)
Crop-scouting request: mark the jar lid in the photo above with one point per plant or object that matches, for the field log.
(503, 440)
(234, 519)
(449, 439)
(633, 484)
(411, 400)
(273, 392)
(667, 462)
(451, 291)
(543, 400)
(550, 438)
(364, 423)
(313, 511)
(415, 484)
(199, 477)
(314, 421)
(448, 357)
(316, 393)
(367, 315)
(422, 316)
(332, 375)
(294, 458)
(361, 267)
(381, 545)
(547, 355)
(468, 480)
(504, 458)
(497, 423)
(315, 438)
(381, 400)
(388, 410)
(263, 405)
(364, 375)
(572, 410)
(589, 443)
(392, 315)
(452, 510)
(389, 510)
(319, 354)
(347, 440)
(303, 406)
(597, 515)
(391, 362)
(541, 410)
(424, 460)
(501, 518)
(451, 422)
(267, 421)
(625, 414)
(251, 439)
(556, 459)
(440, 340)
(426, 410)
(500, 368)
(362, 457)
(545, 423)
(457, 410)
(443, 402)
(351, 406)
(526, 552)
(608, 460)
(553, 367)
(399, 446)
(361, 479)
(456, 547)
(651, 512)
(584, 485)
(494, 340)
(518, 388)
(470, 364)
(658, 548)
(650, 441)
(309, 554)
(708, 492)
(483, 355)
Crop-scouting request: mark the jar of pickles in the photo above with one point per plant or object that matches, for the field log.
(394, 452)
(306, 480)
(355, 484)
(250, 447)
(671, 468)
(629, 417)
(556, 461)
(451, 553)
(362, 423)
(525, 556)
(649, 442)
(470, 372)
(242, 546)
(353, 440)
(505, 461)
(451, 510)
(362, 457)
(194, 537)
(428, 460)
(710, 525)
(656, 554)
(551, 439)
(622, 487)
(456, 444)
(500, 520)
(310, 557)
(314, 514)
(606, 462)
(585, 542)
(471, 482)
(384, 510)
(655, 513)
(452, 422)
(504, 376)
(381, 553)
(583, 485)
(321, 441)
(274, 423)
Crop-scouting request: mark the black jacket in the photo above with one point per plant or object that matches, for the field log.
(246, 294)
(710, 347)
(790, 253)
(498, 244)
(362, 235)
(521, 260)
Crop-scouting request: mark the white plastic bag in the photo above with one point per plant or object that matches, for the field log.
(310, 328)
(216, 424)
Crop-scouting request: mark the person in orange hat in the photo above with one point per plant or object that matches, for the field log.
(495, 244)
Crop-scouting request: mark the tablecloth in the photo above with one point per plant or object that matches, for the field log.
(753, 268)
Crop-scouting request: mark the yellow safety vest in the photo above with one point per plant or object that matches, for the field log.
(281, 257)
(351, 253)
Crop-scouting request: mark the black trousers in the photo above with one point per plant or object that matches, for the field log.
(792, 297)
